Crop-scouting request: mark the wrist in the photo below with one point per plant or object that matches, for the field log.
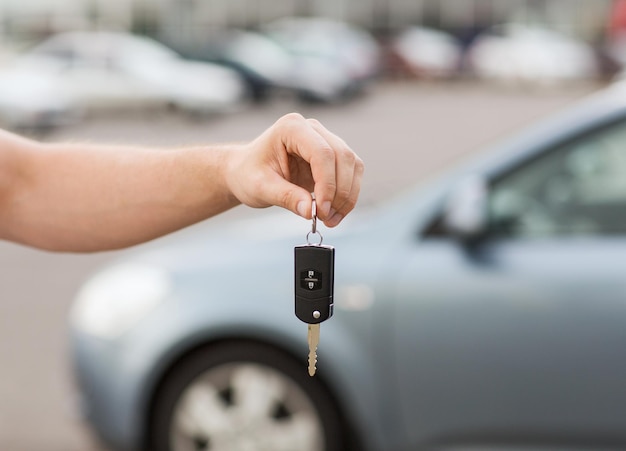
(229, 159)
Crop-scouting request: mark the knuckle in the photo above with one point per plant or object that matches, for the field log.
(343, 194)
(325, 151)
(331, 187)
(314, 122)
(291, 119)
(328, 190)
(359, 165)
(349, 156)
(285, 198)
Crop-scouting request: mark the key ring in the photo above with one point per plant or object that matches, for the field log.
(314, 224)
(314, 216)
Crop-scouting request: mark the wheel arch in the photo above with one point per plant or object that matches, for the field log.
(201, 342)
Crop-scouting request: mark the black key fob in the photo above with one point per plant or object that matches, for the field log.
(314, 282)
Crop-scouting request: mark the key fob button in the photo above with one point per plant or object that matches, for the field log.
(311, 279)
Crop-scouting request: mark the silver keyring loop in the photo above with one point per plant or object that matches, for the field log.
(314, 216)
(308, 241)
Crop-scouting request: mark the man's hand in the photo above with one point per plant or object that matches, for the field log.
(291, 159)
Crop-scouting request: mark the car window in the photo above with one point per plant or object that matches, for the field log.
(576, 189)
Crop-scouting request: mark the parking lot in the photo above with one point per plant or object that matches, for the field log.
(405, 132)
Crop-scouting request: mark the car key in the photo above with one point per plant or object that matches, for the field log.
(314, 282)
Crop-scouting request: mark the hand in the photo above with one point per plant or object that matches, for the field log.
(291, 159)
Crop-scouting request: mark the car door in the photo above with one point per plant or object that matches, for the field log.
(522, 337)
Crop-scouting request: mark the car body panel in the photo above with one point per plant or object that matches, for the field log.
(497, 333)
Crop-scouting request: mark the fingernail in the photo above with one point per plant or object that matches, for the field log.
(301, 208)
(334, 220)
(326, 209)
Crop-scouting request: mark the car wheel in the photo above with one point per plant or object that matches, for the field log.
(243, 396)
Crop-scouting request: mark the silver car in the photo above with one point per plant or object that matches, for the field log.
(485, 310)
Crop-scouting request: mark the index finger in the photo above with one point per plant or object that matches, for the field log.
(303, 140)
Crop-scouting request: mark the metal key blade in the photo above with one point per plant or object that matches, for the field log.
(314, 339)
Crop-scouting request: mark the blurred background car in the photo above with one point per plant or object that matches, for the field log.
(266, 66)
(515, 53)
(425, 53)
(318, 60)
(332, 59)
(90, 71)
(485, 307)
(31, 100)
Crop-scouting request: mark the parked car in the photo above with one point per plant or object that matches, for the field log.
(32, 100)
(317, 59)
(265, 65)
(332, 59)
(104, 70)
(515, 54)
(484, 310)
(426, 53)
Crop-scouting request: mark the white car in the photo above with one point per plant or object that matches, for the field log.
(33, 100)
(519, 54)
(427, 52)
(96, 70)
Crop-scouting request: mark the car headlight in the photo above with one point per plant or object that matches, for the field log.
(113, 301)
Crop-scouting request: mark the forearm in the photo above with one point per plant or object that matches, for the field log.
(86, 198)
(83, 197)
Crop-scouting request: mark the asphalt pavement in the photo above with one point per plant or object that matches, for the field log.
(405, 132)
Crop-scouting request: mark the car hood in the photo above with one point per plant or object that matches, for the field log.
(259, 241)
(267, 239)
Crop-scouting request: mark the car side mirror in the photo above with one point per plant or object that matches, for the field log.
(465, 214)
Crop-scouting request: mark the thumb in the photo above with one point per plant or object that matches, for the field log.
(294, 198)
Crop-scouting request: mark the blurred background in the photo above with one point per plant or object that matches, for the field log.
(64, 60)
(412, 85)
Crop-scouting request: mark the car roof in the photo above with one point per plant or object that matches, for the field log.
(596, 110)
(601, 108)
(103, 43)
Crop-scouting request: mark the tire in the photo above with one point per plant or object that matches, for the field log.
(243, 396)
